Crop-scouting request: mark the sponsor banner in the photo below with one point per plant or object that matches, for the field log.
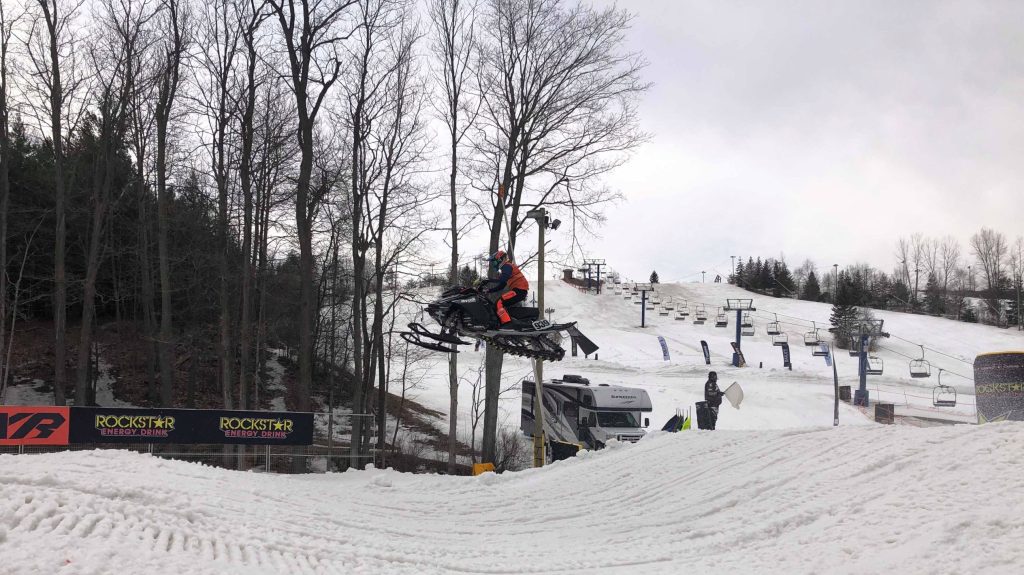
(28, 425)
(189, 426)
(664, 347)
(999, 386)
(785, 356)
(737, 360)
(826, 354)
(707, 352)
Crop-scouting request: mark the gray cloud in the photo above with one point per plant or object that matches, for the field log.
(819, 129)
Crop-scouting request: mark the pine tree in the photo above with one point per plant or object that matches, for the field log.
(844, 313)
(812, 291)
(901, 292)
(739, 278)
(764, 276)
(654, 277)
(934, 304)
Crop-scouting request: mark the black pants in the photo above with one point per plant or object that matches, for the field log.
(713, 415)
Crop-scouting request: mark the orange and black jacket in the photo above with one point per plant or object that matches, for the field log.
(509, 278)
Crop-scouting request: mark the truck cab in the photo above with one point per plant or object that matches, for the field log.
(587, 415)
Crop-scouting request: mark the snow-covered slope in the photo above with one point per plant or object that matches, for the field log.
(775, 397)
(843, 500)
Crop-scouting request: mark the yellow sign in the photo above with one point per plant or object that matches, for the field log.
(479, 468)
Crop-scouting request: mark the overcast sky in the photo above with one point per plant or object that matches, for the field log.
(819, 130)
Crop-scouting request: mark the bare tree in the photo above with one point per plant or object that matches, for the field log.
(53, 67)
(454, 42)
(220, 33)
(311, 31)
(989, 248)
(176, 22)
(113, 57)
(950, 261)
(251, 15)
(7, 23)
(559, 93)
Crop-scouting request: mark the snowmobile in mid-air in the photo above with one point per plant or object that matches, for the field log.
(467, 312)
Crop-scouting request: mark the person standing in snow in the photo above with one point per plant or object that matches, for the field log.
(713, 396)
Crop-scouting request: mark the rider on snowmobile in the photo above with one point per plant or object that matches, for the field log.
(510, 283)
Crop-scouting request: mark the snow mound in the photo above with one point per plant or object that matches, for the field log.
(824, 500)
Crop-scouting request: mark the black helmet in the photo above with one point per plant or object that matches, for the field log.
(713, 376)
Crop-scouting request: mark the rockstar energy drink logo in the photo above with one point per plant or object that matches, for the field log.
(134, 425)
(990, 388)
(256, 427)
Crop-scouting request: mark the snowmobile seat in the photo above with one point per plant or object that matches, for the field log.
(523, 313)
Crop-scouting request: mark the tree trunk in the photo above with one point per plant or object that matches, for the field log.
(60, 234)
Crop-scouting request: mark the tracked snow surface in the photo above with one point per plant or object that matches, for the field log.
(844, 500)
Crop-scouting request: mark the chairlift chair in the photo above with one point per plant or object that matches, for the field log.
(722, 319)
(773, 327)
(819, 352)
(812, 338)
(943, 395)
(684, 309)
(747, 321)
(669, 304)
(701, 312)
(875, 365)
(920, 368)
(779, 339)
(747, 330)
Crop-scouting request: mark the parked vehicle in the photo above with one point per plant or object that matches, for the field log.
(588, 415)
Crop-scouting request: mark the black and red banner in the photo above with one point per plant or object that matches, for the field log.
(45, 425)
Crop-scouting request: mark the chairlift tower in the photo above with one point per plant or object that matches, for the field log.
(643, 289)
(596, 263)
(862, 331)
(741, 307)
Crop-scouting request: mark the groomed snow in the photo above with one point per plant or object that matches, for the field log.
(829, 500)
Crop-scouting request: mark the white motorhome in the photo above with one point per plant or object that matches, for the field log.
(590, 415)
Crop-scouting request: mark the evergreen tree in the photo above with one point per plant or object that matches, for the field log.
(783, 281)
(764, 276)
(901, 293)
(739, 277)
(844, 313)
(934, 304)
(1012, 311)
(654, 277)
(812, 291)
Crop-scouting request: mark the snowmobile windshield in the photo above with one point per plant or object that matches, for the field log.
(616, 419)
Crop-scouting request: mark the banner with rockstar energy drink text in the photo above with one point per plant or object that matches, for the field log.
(999, 386)
(189, 426)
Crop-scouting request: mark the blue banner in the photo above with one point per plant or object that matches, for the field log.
(827, 355)
(664, 347)
(785, 356)
(707, 352)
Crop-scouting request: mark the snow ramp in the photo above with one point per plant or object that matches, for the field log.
(814, 500)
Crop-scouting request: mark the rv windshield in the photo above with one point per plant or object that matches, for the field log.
(616, 419)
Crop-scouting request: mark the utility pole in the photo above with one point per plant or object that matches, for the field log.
(733, 265)
(540, 215)
(702, 277)
(835, 283)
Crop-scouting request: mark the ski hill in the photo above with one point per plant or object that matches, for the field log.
(776, 398)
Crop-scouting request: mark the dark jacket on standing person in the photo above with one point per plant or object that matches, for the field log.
(712, 394)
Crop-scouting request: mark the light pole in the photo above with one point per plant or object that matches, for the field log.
(835, 283)
(540, 215)
(702, 277)
(733, 265)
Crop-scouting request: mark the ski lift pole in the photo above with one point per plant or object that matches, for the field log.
(861, 397)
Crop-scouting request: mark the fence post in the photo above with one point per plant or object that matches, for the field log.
(268, 458)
